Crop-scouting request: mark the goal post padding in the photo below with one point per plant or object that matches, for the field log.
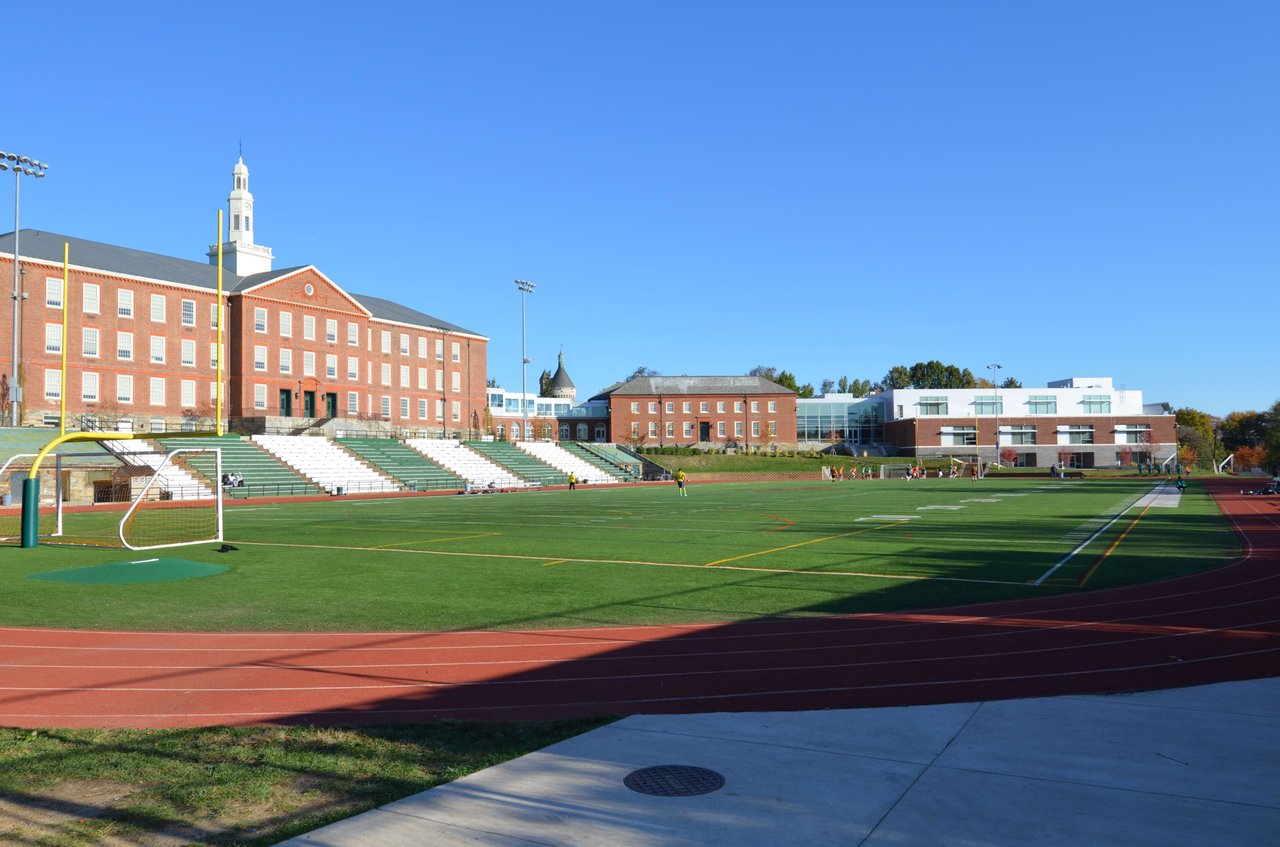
(173, 511)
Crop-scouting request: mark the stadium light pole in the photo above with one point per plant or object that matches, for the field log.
(20, 165)
(526, 288)
(995, 382)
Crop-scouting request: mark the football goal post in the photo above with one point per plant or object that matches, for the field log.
(174, 507)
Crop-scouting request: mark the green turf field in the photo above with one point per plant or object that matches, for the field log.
(635, 555)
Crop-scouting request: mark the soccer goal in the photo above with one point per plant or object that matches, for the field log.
(894, 471)
(174, 506)
(12, 472)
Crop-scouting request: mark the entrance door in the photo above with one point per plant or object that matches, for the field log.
(308, 404)
(704, 431)
(331, 405)
(286, 403)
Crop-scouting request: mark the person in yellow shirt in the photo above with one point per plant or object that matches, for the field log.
(680, 482)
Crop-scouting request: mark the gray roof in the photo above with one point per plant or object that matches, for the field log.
(650, 385)
(47, 247)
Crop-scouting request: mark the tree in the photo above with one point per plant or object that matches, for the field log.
(641, 371)
(860, 387)
(491, 383)
(544, 384)
(1243, 429)
(1271, 439)
(898, 376)
(1249, 457)
(828, 385)
(1011, 383)
(768, 372)
(1201, 422)
(486, 421)
(843, 385)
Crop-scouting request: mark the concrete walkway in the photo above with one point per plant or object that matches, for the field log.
(1181, 768)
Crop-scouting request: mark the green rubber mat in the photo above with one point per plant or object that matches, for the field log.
(134, 572)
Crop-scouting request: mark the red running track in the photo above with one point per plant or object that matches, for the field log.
(1216, 626)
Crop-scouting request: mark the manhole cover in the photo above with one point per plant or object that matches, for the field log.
(674, 781)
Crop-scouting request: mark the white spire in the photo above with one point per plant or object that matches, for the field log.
(239, 254)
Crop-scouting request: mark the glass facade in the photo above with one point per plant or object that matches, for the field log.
(857, 422)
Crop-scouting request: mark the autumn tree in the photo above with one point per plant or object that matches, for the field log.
(544, 384)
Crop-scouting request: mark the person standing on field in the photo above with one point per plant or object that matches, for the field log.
(573, 481)
(680, 482)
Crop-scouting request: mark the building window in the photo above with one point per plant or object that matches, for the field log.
(720, 429)
(53, 292)
(52, 384)
(671, 429)
(330, 331)
(188, 353)
(157, 308)
(737, 429)
(755, 407)
(124, 346)
(404, 408)
(422, 410)
(188, 313)
(124, 303)
(720, 407)
(1134, 434)
(386, 374)
(1096, 404)
(687, 407)
(773, 405)
(702, 407)
(737, 407)
(653, 408)
(1022, 434)
(353, 335)
(124, 388)
(88, 388)
(987, 406)
(309, 327)
(1042, 404)
(959, 436)
(422, 347)
(404, 376)
(457, 351)
(440, 382)
(457, 384)
(157, 391)
(439, 349)
(286, 361)
(1080, 434)
(671, 408)
(92, 297)
(653, 429)
(353, 403)
(773, 428)
(353, 368)
(53, 338)
(404, 344)
(213, 355)
(933, 405)
(157, 349)
(440, 413)
(259, 397)
(308, 363)
(635, 408)
(188, 392)
(688, 429)
(331, 366)
(260, 358)
(386, 343)
(755, 429)
(424, 380)
(386, 408)
(213, 316)
(286, 325)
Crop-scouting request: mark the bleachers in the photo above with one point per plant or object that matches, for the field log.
(475, 469)
(605, 457)
(175, 480)
(15, 441)
(264, 475)
(409, 466)
(326, 464)
(516, 460)
(566, 462)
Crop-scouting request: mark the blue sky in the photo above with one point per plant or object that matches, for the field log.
(1066, 188)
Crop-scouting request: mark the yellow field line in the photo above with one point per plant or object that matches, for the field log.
(396, 544)
(1114, 544)
(802, 544)
(556, 562)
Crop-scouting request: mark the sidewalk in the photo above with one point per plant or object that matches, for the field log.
(1180, 768)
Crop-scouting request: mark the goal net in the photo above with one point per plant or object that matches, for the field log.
(894, 471)
(178, 501)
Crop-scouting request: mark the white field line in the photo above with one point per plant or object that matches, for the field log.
(1090, 539)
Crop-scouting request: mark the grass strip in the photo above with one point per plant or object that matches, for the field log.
(245, 786)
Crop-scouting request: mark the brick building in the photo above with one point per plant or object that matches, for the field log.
(685, 411)
(141, 341)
